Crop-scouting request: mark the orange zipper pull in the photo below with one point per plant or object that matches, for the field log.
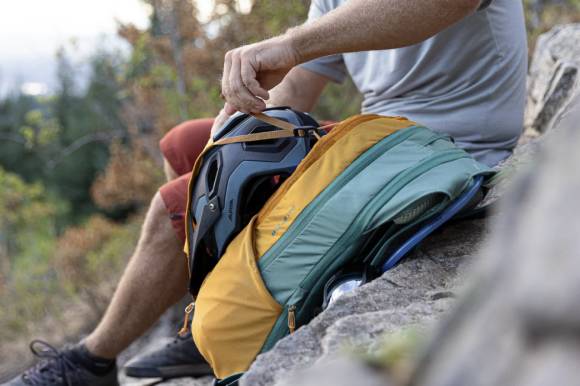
(292, 319)
(188, 310)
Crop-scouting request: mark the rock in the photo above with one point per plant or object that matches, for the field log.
(339, 372)
(520, 320)
(127, 381)
(553, 76)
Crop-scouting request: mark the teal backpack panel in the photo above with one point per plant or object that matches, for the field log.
(402, 180)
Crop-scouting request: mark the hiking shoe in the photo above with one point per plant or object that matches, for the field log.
(68, 367)
(178, 358)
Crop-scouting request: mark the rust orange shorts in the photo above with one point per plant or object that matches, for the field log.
(181, 146)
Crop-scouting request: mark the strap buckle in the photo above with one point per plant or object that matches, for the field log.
(303, 131)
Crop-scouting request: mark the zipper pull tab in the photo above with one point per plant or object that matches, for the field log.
(188, 310)
(292, 318)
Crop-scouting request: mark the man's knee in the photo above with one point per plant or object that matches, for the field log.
(158, 207)
(170, 173)
(157, 222)
(183, 143)
(172, 197)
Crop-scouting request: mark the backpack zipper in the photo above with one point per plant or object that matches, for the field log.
(188, 311)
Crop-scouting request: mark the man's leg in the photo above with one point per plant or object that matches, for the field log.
(154, 280)
(156, 276)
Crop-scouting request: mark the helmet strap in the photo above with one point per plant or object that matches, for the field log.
(287, 130)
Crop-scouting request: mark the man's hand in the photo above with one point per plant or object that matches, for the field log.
(251, 71)
(299, 90)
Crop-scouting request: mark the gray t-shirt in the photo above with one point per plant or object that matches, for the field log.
(468, 81)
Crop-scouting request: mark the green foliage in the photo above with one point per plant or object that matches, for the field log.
(51, 149)
(27, 237)
(397, 353)
(89, 256)
(41, 287)
(39, 130)
(63, 140)
(26, 212)
(542, 15)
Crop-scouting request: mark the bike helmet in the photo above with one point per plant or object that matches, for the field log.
(236, 179)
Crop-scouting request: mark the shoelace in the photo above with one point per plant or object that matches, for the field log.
(55, 365)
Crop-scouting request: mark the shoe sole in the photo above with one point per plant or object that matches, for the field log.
(198, 370)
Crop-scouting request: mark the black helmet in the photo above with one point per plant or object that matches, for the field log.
(236, 179)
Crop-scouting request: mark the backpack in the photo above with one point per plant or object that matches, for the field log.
(366, 193)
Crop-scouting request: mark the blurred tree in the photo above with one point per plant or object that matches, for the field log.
(86, 254)
(47, 138)
(542, 15)
(27, 228)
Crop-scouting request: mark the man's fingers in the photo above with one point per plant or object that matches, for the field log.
(238, 96)
(229, 109)
(225, 80)
(249, 79)
(226, 73)
(221, 118)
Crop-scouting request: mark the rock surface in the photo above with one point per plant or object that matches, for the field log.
(553, 76)
(515, 319)
(520, 318)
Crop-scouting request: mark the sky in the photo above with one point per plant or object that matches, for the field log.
(31, 31)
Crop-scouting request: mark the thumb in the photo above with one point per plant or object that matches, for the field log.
(229, 110)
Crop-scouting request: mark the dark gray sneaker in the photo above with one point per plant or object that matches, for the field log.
(65, 367)
(178, 358)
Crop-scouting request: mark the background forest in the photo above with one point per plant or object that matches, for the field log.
(78, 166)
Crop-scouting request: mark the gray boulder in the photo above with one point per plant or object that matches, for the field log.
(553, 76)
(518, 323)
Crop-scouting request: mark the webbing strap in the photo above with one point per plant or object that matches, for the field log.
(286, 131)
(274, 121)
(275, 134)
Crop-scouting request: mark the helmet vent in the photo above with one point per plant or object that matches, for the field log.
(269, 145)
(212, 176)
(264, 129)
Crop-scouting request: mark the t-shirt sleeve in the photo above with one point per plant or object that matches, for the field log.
(331, 66)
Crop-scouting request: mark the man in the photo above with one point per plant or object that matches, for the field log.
(457, 66)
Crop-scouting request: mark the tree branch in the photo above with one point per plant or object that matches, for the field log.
(13, 138)
(82, 141)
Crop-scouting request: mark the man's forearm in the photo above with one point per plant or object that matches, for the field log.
(358, 25)
(363, 25)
